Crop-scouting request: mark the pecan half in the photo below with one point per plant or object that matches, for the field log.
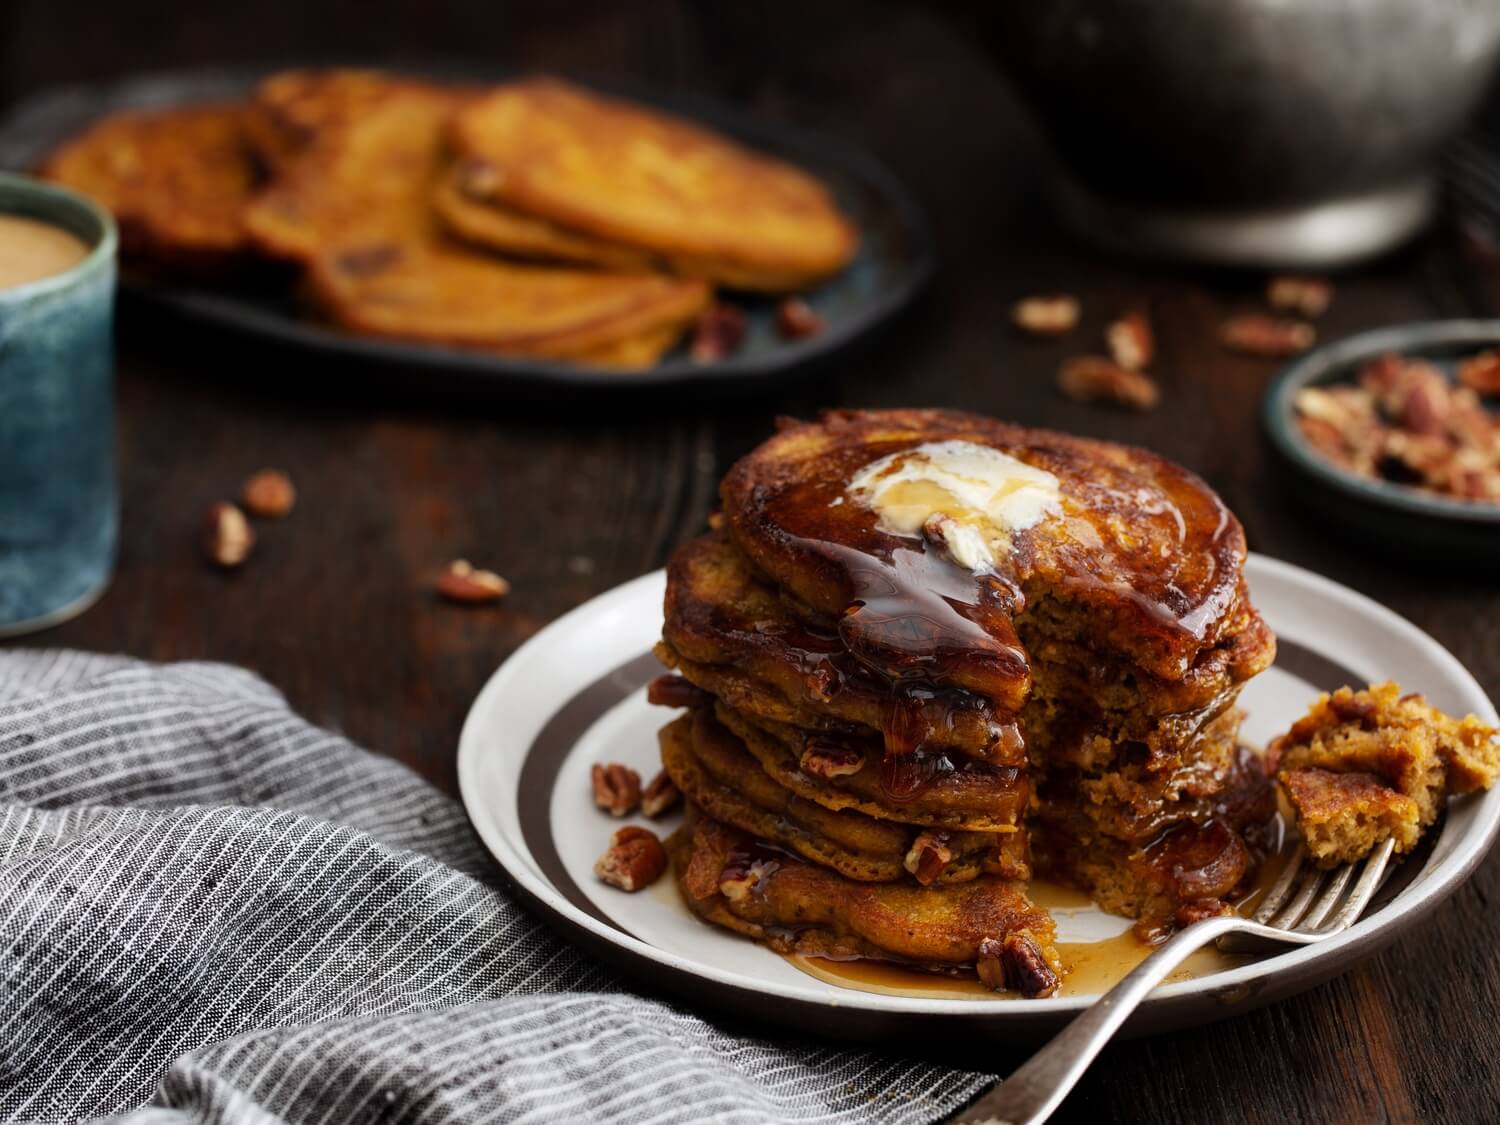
(661, 796)
(718, 333)
(462, 582)
(990, 964)
(822, 757)
(674, 691)
(268, 494)
(227, 535)
(795, 319)
(1305, 296)
(1049, 314)
(1481, 373)
(617, 788)
(1131, 341)
(1092, 378)
(1026, 970)
(1268, 337)
(634, 859)
(928, 856)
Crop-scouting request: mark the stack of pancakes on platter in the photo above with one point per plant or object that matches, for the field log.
(929, 656)
(534, 217)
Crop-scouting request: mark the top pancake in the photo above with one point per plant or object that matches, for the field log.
(175, 180)
(610, 170)
(1142, 561)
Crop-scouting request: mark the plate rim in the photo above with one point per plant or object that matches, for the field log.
(209, 308)
(1290, 966)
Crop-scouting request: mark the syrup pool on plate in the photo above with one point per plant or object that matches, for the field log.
(1094, 967)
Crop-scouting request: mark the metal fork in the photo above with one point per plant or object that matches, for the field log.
(1304, 905)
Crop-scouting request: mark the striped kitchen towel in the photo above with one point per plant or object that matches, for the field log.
(212, 911)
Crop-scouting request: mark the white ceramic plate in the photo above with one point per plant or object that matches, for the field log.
(573, 695)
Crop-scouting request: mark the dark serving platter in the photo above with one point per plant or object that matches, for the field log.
(895, 259)
(1393, 518)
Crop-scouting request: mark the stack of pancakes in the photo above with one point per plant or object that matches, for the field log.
(932, 656)
(533, 218)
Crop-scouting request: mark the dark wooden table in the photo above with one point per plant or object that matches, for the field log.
(568, 498)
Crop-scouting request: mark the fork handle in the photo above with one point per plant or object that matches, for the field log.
(1039, 1085)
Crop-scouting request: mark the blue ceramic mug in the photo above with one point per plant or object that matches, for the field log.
(59, 508)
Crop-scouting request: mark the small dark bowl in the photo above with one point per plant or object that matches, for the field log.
(1393, 518)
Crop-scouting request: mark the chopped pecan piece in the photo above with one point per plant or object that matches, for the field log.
(463, 582)
(990, 964)
(1049, 314)
(1131, 341)
(718, 333)
(928, 856)
(634, 859)
(825, 758)
(227, 535)
(1268, 337)
(1092, 378)
(1016, 963)
(742, 875)
(661, 796)
(1481, 373)
(617, 788)
(674, 691)
(795, 319)
(269, 494)
(1306, 296)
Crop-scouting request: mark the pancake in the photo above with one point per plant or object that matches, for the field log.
(788, 665)
(353, 207)
(1198, 864)
(496, 227)
(357, 168)
(436, 294)
(714, 771)
(614, 172)
(965, 795)
(1128, 554)
(175, 180)
(798, 907)
(291, 109)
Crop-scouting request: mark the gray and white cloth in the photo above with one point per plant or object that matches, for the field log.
(212, 911)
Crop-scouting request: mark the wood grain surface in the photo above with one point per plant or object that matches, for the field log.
(568, 497)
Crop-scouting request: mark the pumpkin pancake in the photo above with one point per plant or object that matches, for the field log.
(496, 227)
(609, 171)
(353, 206)
(175, 180)
(1111, 547)
(733, 881)
(289, 110)
(713, 769)
(437, 294)
(362, 176)
(845, 773)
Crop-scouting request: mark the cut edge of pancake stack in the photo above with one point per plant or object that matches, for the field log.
(532, 218)
(870, 770)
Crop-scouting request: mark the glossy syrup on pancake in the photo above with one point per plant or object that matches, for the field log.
(911, 613)
(1144, 545)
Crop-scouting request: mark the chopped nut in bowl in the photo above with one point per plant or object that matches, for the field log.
(1394, 437)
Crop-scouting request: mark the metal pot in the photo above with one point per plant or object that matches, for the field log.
(1247, 132)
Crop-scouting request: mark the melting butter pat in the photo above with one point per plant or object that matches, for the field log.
(979, 496)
